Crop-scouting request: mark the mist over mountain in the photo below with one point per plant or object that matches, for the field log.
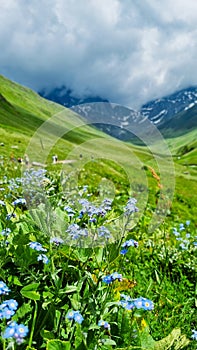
(66, 97)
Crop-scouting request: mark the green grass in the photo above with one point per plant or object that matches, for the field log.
(164, 273)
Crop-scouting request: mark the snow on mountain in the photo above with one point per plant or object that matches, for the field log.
(161, 110)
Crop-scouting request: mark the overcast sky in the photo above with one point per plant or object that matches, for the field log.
(129, 51)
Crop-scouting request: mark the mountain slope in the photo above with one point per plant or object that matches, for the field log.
(161, 110)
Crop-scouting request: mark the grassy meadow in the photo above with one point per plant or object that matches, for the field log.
(98, 250)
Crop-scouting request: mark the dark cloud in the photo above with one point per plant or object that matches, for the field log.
(126, 51)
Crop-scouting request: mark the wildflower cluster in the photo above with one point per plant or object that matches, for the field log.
(130, 207)
(7, 310)
(4, 290)
(16, 331)
(75, 315)
(111, 278)
(39, 248)
(183, 236)
(139, 303)
(104, 324)
(127, 244)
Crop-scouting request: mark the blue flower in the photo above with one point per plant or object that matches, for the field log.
(5, 232)
(116, 276)
(194, 335)
(69, 211)
(5, 312)
(3, 288)
(110, 278)
(78, 317)
(104, 324)
(75, 315)
(9, 216)
(124, 251)
(143, 303)
(130, 243)
(11, 304)
(56, 240)
(19, 201)
(16, 331)
(2, 203)
(181, 227)
(187, 222)
(76, 232)
(37, 246)
(107, 279)
(130, 207)
(104, 232)
(43, 258)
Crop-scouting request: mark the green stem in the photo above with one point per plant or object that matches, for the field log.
(33, 324)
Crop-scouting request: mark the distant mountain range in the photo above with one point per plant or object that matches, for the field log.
(173, 115)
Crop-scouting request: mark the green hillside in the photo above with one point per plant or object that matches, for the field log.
(30, 124)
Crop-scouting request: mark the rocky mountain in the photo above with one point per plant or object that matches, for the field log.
(175, 113)
(162, 110)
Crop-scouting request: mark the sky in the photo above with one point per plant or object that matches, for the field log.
(128, 51)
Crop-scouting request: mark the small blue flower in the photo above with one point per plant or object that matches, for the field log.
(11, 304)
(43, 258)
(19, 201)
(143, 303)
(104, 324)
(104, 232)
(116, 276)
(2, 203)
(75, 315)
(181, 227)
(78, 317)
(110, 278)
(10, 216)
(194, 335)
(130, 207)
(5, 312)
(107, 279)
(16, 331)
(124, 251)
(57, 240)
(37, 246)
(5, 232)
(130, 243)
(187, 222)
(69, 211)
(3, 288)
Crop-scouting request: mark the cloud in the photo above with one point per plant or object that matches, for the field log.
(126, 51)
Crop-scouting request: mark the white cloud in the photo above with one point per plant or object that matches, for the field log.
(126, 51)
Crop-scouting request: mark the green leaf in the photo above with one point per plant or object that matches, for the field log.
(58, 345)
(147, 342)
(69, 289)
(109, 342)
(22, 311)
(14, 280)
(47, 335)
(30, 292)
